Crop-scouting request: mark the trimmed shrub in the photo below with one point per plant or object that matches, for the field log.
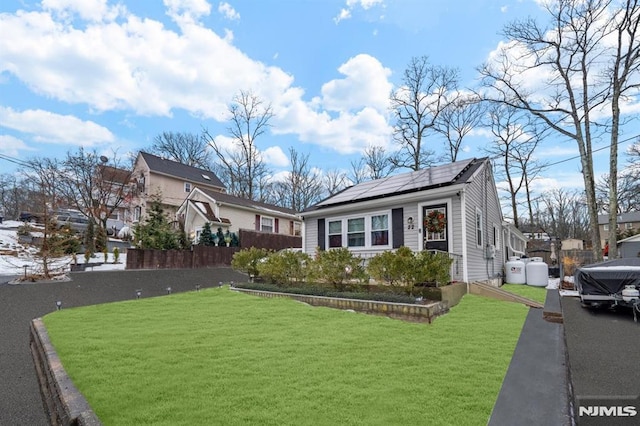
(247, 260)
(337, 266)
(285, 267)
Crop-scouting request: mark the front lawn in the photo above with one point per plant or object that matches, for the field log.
(220, 357)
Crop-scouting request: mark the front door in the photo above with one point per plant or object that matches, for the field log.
(434, 229)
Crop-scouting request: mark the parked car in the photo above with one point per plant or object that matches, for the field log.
(30, 217)
(74, 219)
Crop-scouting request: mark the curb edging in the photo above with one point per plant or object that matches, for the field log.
(63, 403)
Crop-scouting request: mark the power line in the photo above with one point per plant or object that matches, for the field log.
(595, 150)
(13, 160)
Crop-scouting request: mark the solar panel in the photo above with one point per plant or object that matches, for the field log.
(400, 183)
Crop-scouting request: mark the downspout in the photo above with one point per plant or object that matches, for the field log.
(463, 213)
(508, 229)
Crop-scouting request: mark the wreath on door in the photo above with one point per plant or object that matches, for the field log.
(435, 221)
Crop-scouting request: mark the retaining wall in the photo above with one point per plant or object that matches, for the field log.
(405, 311)
(63, 403)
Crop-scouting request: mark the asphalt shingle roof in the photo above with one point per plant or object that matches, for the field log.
(188, 173)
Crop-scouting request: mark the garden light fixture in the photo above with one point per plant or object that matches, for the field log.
(138, 294)
(168, 290)
(58, 305)
(197, 287)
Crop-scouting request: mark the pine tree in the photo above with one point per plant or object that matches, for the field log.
(206, 236)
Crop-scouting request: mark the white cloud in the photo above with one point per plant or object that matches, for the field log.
(48, 127)
(228, 11)
(365, 84)
(345, 13)
(10, 145)
(147, 69)
(275, 156)
(504, 9)
(189, 10)
(91, 10)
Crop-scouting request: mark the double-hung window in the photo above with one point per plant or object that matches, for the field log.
(380, 230)
(266, 224)
(187, 187)
(479, 221)
(335, 233)
(355, 232)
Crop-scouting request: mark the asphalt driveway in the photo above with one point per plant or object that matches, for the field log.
(20, 402)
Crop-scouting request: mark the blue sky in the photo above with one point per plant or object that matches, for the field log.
(111, 75)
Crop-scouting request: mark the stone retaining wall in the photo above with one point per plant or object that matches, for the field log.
(63, 403)
(405, 311)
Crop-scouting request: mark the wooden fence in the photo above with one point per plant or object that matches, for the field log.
(203, 256)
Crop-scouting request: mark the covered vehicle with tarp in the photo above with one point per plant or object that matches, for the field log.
(612, 283)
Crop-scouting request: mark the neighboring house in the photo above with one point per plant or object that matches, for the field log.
(170, 180)
(535, 233)
(113, 194)
(626, 222)
(629, 247)
(452, 208)
(233, 213)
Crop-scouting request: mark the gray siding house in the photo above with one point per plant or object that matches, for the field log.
(453, 208)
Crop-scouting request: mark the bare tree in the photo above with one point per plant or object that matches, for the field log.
(42, 174)
(623, 73)
(334, 181)
(373, 164)
(241, 166)
(94, 184)
(302, 186)
(416, 104)
(515, 138)
(564, 214)
(186, 148)
(460, 116)
(572, 54)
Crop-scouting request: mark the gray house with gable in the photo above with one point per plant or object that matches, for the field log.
(453, 208)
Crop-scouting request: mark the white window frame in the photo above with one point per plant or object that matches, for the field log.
(187, 187)
(137, 213)
(263, 226)
(479, 228)
(605, 227)
(496, 235)
(628, 226)
(344, 231)
(387, 229)
(329, 234)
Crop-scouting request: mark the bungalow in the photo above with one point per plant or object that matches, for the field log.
(231, 213)
(453, 208)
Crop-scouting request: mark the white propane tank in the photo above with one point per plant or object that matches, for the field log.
(630, 294)
(515, 271)
(537, 272)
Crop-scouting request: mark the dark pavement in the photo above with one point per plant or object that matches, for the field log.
(20, 402)
(604, 359)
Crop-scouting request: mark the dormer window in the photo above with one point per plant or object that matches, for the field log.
(187, 187)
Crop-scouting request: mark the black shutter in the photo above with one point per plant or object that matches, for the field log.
(397, 228)
(321, 234)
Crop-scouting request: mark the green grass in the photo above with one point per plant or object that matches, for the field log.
(220, 357)
(538, 294)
